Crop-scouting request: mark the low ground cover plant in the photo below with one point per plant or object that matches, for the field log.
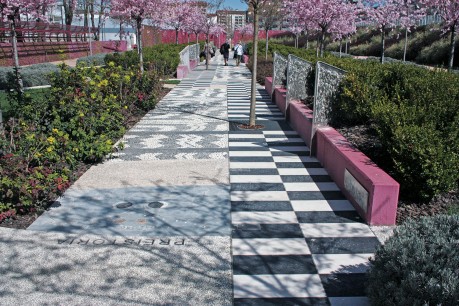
(418, 265)
(86, 111)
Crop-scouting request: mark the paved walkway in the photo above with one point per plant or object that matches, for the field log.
(195, 211)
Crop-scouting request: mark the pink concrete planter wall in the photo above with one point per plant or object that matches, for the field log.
(269, 85)
(337, 155)
(194, 63)
(340, 159)
(182, 71)
(300, 119)
(280, 97)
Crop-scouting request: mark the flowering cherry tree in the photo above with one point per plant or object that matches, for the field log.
(246, 30)
(137, 11)
(11, 11)
(410, 13)
(448, 10)
(194, 21)
(385, 15)
(176, 16)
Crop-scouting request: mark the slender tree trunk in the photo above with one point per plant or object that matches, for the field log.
(406, 44)
(176, 36)
(307, 40)
(452, 47)
(266, 47)
(206, 50)
(253, 91)
(317, 46)
(345, 48)
(188, 36)
(383, 40)
(139, 43)
(340, 47)
(19, 83)
(322, 43)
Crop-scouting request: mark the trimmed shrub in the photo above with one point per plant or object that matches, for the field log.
(34, 75)
(96, 60)
(419, 265)
(163, 58)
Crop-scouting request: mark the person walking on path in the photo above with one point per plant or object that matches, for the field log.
(238, 50)
(224, 50)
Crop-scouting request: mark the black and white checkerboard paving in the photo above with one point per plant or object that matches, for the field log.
(296, 239)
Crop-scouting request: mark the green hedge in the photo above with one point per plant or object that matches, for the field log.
(34, 75)
(163, 58)
(419, 265)
(415, 112)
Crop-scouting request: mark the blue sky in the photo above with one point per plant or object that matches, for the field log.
(235, 4)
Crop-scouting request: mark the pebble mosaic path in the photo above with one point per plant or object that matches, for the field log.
(274, 227)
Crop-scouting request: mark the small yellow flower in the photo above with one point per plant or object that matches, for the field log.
(125, 107)
(49, 149)
(55, 130)
(51, 139)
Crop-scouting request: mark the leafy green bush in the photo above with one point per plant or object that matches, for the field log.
(414, 111)
(163, 58)
(96, 60)
(86, 111)
(34, 75)
(419, 265)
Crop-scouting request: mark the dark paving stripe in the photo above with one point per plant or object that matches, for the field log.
(328, 217)
(352, 245)
(257, 187)
(281, 302)
(337, 285)
(299, 165)
(261, 206)
(267, 231)
(315, 195)
(254, 172)
(286, 264)
(285, 143)
(251, 159)
(296, 153)
(306, 178)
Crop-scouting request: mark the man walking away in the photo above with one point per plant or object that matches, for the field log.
(224, 50)
(239, 50)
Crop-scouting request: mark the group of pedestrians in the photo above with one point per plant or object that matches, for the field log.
(238, 52)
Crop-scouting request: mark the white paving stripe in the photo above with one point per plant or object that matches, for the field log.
(341, 263)
(302, 171)
(272, 246)
(279, 285)
(324, 230)
(305, 186)
(294, 159)
(322, 205)
(280, 133)
(248, 144)
(252, 165)
(249, 154)
(285, 139)
(259, 196)
(242, 136)
(264, 217)
(255, 179)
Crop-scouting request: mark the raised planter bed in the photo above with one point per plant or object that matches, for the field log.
(373, 192)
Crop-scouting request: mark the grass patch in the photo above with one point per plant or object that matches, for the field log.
(175, 82)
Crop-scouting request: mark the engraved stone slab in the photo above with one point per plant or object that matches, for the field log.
(356, 190)
(297, 76)
(193, 51)
(326, 88)
(280, 70)
(185, 57)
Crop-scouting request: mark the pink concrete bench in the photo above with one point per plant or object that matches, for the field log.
(373, 193)
(182, 71)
